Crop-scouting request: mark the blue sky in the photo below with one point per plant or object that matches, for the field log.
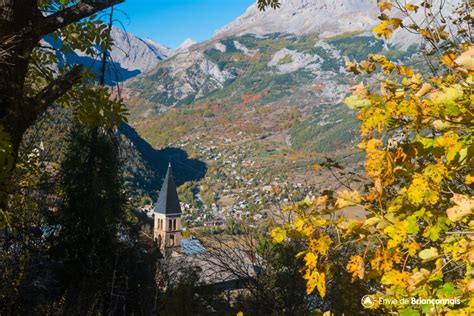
(170, 22)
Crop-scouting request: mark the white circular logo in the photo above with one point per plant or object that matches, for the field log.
(367, 301)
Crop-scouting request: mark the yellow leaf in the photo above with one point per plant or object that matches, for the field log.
(395, 23)
(420, 191)
(278, 235)
(322, 244)
(315, 279)
(428, 254)
(448, 58)
(466, 59)
(360, 89)
(411, 7)
(426, 33)
(351, 67)
(450, 143)
(321, 284)
(299, 224)
(308, 230)
(425, 88)
(367, 67)
(469, 179)
(378, 58)
(240, 314)
(373, 144)
(354, 102)
(412, 248)
(383, 260)
(405, 71)
(371, 222)
(311, 260)
(418, 278)
(395, 277)
(348, 198)
(383, 30)
(440, 125)
(435, 172)
(464, 206)
(385, 5)
(470, 256)
(321, 200)
(356, 266)
(397, 233)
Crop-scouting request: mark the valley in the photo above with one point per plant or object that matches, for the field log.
(262, 111)
(248, 117)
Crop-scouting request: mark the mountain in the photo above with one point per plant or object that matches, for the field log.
(237, 61)
(134, 53)
(185, 45)
(261, 102)
(130, 56)
(326, 17)
(257, 109)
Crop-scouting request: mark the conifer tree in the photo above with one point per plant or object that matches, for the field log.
(92, 215)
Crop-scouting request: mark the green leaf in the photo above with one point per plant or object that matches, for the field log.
(412, 225)
(452, 109)
(448, 290)
(409, 312)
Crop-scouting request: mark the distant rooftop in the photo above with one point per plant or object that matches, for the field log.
(192, 246)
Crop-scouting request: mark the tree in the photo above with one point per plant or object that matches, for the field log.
(30, 82)
(93, 215)
(280, 289)
(23, 24)
(416, 129)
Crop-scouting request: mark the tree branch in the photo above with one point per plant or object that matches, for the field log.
(57, 88)
(72, 14)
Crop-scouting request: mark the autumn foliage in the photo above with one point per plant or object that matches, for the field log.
(417, 134)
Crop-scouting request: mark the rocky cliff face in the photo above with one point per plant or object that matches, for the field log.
(326, 17)
(129, 57)
(134, 53)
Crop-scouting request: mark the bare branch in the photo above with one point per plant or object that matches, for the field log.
(81, 10)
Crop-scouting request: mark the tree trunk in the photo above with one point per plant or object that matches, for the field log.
(15, 16)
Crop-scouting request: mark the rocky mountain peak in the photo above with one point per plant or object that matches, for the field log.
(327, 17)
(185, 45)
(134, 53)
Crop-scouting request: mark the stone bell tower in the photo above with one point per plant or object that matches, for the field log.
(167, 215)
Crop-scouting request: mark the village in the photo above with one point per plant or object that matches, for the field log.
(236, 189)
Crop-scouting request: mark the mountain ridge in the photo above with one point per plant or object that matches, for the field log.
(328, 18)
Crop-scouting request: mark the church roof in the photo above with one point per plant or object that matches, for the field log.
(168, 201)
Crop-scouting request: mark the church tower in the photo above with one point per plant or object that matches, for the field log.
(167, 215)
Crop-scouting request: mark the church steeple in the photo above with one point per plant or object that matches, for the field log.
(167, 215)
(168, 201)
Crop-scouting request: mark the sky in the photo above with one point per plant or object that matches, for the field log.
(170, 22)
